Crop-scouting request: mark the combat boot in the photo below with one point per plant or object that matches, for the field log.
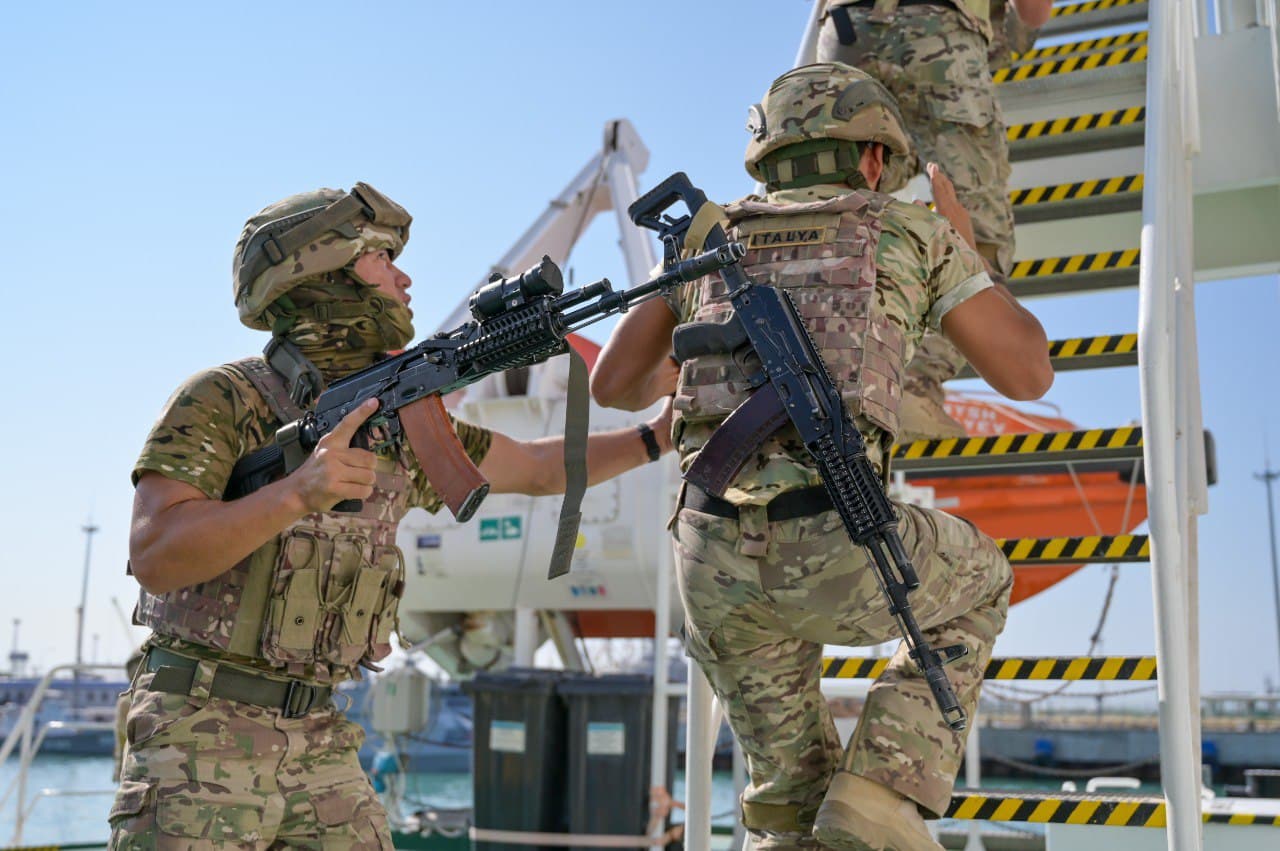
(861, 815)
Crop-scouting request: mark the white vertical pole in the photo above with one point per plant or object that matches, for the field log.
(1157, 359)
(740, 779)
(973, 779)
(808, 49)
(526, 637)
(699, 748)
(661, 656)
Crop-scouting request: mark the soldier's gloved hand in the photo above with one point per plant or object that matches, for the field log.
(661, 425)
(336, 470)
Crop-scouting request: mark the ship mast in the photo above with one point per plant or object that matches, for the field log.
(88, 530)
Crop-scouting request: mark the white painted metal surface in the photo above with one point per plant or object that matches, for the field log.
(1166, 204)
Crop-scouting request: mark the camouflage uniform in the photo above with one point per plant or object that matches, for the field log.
(954, 119)
(1009, 35)
(763, 598)
(205, 771)
(933, 59)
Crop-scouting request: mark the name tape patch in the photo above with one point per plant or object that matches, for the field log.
(783, 238)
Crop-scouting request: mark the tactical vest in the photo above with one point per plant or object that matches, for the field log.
(824, 255)
(317, 600)
(976, 13)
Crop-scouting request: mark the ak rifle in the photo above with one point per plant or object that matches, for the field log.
(794, 385)
(517, 321)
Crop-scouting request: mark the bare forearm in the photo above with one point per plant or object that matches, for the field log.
(609, 454)
(195, 540)
(641, 394)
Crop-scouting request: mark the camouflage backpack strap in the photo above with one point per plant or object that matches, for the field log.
(272, 386)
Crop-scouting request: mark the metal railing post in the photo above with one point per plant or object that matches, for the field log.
(661, 655)
(808, 49)
(699, 749)
(1166, 192)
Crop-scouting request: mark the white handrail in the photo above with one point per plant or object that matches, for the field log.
(22, 732)
(1166, 194)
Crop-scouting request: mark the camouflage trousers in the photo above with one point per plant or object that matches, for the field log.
(761, 600)
(202, 773)
(922, 415)
(936, 67)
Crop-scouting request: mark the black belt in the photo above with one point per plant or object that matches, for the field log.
(294, 698)
(791, 505)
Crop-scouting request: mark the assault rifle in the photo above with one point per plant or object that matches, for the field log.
(793, 384)
(516, 322)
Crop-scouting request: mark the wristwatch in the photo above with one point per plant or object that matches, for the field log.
(650, 441)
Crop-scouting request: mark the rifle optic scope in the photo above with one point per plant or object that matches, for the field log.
(503, 294)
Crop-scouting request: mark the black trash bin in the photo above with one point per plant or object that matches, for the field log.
(518, 754)
(610, 729)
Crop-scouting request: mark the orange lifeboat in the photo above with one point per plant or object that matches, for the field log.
(1035, 506)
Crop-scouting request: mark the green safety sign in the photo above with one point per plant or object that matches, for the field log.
(500, 528)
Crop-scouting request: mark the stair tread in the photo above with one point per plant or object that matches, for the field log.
(1127, 668)
(1092, 197)
(1089, 549)
(1071, 64)
(1066, 19)
(1084, 446)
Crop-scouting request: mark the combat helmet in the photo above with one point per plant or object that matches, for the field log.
(801, 132)
(305, 237)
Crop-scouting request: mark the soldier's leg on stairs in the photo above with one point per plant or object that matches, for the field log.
(901, 741)
(923, 415)
(766, 681)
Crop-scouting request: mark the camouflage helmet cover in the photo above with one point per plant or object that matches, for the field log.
(271, 258)
(827, 100)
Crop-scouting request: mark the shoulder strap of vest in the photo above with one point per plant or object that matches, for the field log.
(268, 382)
(302, 378)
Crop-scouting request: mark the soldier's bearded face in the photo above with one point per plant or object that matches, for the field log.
(376, 269)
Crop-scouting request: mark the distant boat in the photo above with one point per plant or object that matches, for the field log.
(66, 705)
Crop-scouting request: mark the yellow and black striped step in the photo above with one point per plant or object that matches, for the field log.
(1091, 549)
(1115, 128)
(1086, 353)
(1090, 45)
(1089, 808)
(1094, 197)
(1076, 273)
(1071, 64)
(1094, 14)
(1129, 668)
(1034, 449)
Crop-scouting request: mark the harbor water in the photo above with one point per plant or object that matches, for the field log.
(82, 817)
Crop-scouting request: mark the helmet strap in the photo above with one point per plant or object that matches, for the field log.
(814, 162)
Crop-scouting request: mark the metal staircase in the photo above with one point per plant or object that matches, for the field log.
(1105, 198)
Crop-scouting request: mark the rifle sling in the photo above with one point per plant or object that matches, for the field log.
(737, 438)
(576, 420)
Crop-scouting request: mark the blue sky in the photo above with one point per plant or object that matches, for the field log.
(140, 136)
